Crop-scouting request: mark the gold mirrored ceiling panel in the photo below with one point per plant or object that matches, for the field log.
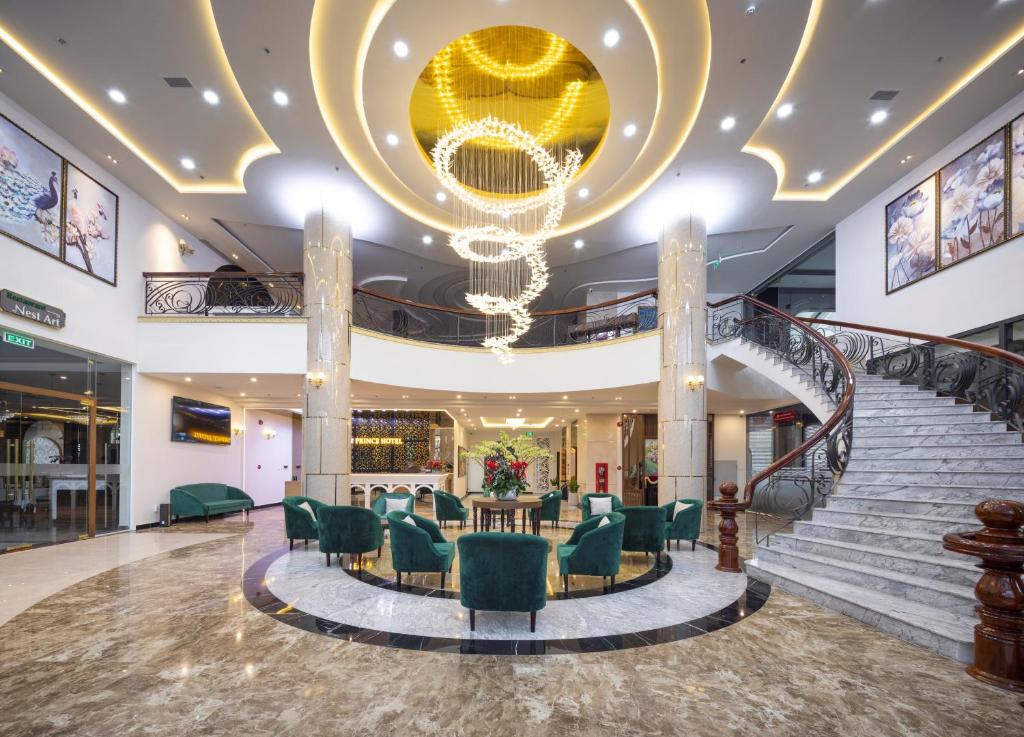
(516, 73)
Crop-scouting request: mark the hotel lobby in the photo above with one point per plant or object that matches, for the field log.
(474, 367)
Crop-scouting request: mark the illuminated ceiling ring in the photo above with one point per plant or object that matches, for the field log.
(552, 55)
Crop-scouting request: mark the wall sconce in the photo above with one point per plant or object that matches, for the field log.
(695, 382)
(269, 433)
(316, 379)
(237, 430)
(185, 249)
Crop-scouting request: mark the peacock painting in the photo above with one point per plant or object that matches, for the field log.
(90, 226)
(30, 189)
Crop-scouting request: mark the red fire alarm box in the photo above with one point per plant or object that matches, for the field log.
(601, 477)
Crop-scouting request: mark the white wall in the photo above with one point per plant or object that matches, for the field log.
(158, 464)
(981, 290)
(461, 439)
(268, 461)
(600, 441)
(731, 444)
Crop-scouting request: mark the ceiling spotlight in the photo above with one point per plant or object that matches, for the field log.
(188, 378)
(392, 139)
(458, 396)
(1020, 71)
(211, 97)
(629, 131)
(441, 196)
(565, 396)
(751, 9)
(241, 394)
(584, 193)
(280, 97)
(728, 123)
(117, 96)
(784, 110)
(814, 177)
(187, 163)
(253, 379)
(234, 256)
(611, 38)
(878, 117)
(427, 240)
(401, 49)
(578, 243)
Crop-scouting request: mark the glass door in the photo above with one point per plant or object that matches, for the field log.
(48, 484)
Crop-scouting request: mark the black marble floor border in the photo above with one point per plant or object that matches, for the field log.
(258, 594)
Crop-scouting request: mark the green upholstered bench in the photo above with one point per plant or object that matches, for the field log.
(202, 500)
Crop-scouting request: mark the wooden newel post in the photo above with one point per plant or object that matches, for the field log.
(999, 638)
(728, 529)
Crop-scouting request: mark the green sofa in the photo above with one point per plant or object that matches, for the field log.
(352, 530)
(202, 500)
(685, 525)
(449, 508)
(502, 572)
(550, 507)
(644, 531)
(585, 503)
(298, 523)
(418, 547)
(593, 549)
(380, 507)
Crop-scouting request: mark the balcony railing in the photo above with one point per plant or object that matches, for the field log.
(213, 293)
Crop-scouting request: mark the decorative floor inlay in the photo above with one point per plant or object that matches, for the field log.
(689, 599)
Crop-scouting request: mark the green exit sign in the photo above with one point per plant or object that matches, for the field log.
(529, 433)
(20, 340)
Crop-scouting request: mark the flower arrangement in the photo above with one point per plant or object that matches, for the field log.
(505, 461)
(434, 465)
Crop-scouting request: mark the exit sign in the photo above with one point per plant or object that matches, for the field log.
(19, 340)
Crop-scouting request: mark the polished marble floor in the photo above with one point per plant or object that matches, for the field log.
(168, 645)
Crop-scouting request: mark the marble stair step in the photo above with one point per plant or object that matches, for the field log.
(864, 429)
(872, 393)
(868, 452)
(950, 417)
(936, 629)
(925, 492)
(907, 410)
(959, 510)
(905, 540)
(898, 464)
(898, 521)
(950, 597)
(960, 572)
(864, 402)
(993, 480)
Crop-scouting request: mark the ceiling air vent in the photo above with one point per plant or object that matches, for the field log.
(177, 82)
(884, 95)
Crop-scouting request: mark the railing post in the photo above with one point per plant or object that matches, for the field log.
(728, 529)
(999, 638)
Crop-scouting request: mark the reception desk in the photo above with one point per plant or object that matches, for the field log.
(371, 484)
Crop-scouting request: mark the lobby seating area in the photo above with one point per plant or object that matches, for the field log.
(202, 500)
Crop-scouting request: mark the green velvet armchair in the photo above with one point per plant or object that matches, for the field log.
(352, 530)
(685, 525)
(585, 502)
(593, 549)
(202, 500)
(299, 524)
(503, 573)
(644, 531)
(550, 507)
(418, 546)
(380, 504)
(449, 508)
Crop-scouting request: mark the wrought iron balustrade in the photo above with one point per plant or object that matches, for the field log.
(231, 293)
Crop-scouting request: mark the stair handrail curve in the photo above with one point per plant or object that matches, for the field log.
(988, 377)
(785, 487)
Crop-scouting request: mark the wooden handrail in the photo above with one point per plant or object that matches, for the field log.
(219, 274)
(955, 342)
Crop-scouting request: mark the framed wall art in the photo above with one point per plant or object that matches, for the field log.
(90, 226)
(31, 187)
(972, 204)
(1017, 177)
(910, 236)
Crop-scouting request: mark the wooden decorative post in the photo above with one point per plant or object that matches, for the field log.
(999, 638)
(727, 506)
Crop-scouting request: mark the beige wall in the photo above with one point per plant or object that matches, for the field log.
(731, 443)
(600, 441)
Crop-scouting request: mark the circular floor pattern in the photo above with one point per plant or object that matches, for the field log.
(690, 599)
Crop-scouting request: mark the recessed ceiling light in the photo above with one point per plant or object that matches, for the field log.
(728, 123)
(565, 396)
(576, 411)
(584, 193)
(252, 379)
(578, 243)
(401, 49)
(211, 97)
(441, 197)
(611, 38)
(458, 396)
(618, 399)
(392, 139)
(784, 110)
(814, 177)
(187, 163)
(751, 9)
(1020, 71)
(427, 240)
(878, 117)
(63, 378)
(188, 378)
(241, 394)
(629, 131)
(741, 412)
(280, 97)
(117, 96)
(234, 256)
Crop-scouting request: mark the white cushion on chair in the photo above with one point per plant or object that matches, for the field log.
(409, 520)
(679, 507)
(600, 505)
(394, 505)
(604, 521)
(308, 508)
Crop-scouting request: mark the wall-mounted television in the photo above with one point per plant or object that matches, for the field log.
(193, 421)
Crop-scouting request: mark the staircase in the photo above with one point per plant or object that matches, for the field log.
(919, 464)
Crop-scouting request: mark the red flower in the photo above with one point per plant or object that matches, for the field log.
(491, 464)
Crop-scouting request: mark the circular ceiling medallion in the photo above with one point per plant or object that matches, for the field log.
(519, 74)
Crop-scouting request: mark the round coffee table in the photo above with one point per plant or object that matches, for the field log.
(488, 506)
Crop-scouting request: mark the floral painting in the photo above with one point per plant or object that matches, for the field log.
(1017, 176)
(30, 189)
(972, 208)
(90, 226)
(910, 236)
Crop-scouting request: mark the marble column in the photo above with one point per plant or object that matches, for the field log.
(326, 428)
(682, 414)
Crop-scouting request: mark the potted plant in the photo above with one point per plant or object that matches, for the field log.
(434, 466)
(505, 461)
(574, 488)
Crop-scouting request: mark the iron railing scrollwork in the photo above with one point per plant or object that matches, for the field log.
(788, 489)
(234, 294)
(989, 378)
